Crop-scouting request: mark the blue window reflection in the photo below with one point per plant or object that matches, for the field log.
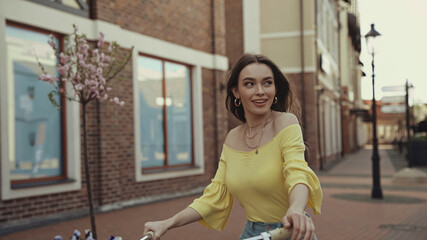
(37, 125)
(155, 77)
(151, 112)
(179, 114)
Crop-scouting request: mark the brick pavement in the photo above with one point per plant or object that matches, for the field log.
(348, 211)
(360, 217)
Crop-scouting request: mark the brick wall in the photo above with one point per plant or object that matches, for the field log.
(308, 100)
(185, 23)
(234, 28)
(235, 42)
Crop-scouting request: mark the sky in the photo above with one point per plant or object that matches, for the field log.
(403, 46)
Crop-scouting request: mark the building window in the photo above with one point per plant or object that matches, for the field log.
(77, 7)
(165, 114)
(37, 140)
(40, 151)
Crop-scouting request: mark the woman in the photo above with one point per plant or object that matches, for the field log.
(262, 162)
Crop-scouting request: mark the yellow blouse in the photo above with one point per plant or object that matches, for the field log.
(260, 182)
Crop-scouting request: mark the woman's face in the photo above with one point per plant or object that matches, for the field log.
(256, 89)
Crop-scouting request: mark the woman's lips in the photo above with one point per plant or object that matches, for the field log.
(260, 102)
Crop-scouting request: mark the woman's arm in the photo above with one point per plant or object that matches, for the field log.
(302, 225)
(186, 216)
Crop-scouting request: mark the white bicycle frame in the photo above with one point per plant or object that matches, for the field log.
(276, 234)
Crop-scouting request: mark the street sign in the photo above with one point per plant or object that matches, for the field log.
(393, 99)
(393, 88)
(393, 109)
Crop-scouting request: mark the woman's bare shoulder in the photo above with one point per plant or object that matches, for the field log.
(233, 136)
(282, 120)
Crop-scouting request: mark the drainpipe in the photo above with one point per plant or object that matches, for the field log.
(301, 4)
(214, 78)
(319, 91)
(340, 80)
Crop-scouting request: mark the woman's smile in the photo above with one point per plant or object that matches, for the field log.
(260, 102)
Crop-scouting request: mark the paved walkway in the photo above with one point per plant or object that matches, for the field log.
(348, 212)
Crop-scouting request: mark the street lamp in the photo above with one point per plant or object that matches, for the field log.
(408, 129)
(371, 43)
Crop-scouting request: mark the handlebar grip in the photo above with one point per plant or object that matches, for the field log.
(148, 236)
(280, 234)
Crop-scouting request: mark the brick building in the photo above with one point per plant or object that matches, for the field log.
(317, 45)
(391, 121)
(352, 108)
(176, 72)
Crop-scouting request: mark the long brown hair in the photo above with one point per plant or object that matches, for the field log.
(286, 101)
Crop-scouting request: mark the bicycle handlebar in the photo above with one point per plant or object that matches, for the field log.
(276, 234)
(280, 234)
(148, 236)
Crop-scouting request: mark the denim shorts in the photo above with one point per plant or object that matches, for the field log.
(253, 229)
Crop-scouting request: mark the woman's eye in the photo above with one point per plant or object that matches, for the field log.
(268, 82)
(248, 83)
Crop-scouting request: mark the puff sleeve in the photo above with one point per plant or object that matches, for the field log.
(216, 202)
(295, 168)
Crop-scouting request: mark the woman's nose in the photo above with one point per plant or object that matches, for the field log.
(259, 89)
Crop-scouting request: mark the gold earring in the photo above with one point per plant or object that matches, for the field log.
(237, 102)
(275, 100)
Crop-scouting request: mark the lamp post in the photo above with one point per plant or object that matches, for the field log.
(408, 129)
(371, 43)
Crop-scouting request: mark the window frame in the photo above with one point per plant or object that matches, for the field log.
(166, 166)
(70, 130)
(176, 53)
(64, 175)
(85, 10)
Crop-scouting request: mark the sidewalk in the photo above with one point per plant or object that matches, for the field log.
(348, 212)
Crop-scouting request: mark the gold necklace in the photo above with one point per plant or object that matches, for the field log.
(265, 122)
(246, 133)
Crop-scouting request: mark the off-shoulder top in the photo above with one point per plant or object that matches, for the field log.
(260, 182)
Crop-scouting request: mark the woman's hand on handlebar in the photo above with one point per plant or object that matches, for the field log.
(159, 228)
(301, 224)
(186, 216)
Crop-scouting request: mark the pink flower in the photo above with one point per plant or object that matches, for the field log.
(79, 87)
(80, 56)
(48, 78)
(91, 67)
(62, 58)
(99, 71)
(83, 63)
(51, 41)
(102, 79)
(101, 39)
(63, 70)
(107, 59)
